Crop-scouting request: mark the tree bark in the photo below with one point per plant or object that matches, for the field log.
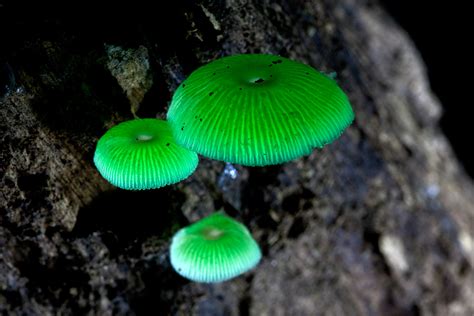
(380, 222)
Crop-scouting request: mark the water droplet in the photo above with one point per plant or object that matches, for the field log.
(432, 190)
(228, 175)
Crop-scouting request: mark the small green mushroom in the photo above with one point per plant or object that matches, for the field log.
(257, 110)
(142, 154)
(214, 249)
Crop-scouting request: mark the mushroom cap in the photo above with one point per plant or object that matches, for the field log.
(142, 154)
(257, 110)
(214, 249)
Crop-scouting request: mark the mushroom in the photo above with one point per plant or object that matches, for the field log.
(257, 110)
(142, 154)
(214, 249)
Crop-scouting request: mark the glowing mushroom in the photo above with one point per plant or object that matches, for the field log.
(142, 154)
(257, 110)
(214, 249)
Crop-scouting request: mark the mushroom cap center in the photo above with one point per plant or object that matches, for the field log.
(143, 137)
(251, 75)
(257, 80)
(212, 233)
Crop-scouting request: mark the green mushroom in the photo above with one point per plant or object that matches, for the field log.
(257, 110)
(214, 249)
(142, 154)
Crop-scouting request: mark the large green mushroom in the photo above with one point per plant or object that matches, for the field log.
(142, 154)
(214, 249)
(257, 110)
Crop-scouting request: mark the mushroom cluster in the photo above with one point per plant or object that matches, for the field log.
(250, 109)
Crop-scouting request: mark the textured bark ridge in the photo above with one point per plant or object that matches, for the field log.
(378, 223)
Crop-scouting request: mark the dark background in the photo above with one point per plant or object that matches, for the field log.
(325, 221)
(440, 31)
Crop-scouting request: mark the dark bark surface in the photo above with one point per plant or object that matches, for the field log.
(380, 222)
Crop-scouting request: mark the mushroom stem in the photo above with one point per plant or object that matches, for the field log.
(135, 116)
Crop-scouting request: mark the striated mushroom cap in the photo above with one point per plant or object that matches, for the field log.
(257, 110)
(142, 154)
(214, 249)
